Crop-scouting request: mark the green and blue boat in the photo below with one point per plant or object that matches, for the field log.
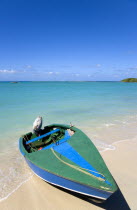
(64, 156)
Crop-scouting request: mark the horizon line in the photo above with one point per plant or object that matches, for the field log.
(60, 81)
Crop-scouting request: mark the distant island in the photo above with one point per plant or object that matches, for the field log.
(129, 80)
(13, 82)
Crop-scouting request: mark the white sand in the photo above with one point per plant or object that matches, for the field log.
(36, 194)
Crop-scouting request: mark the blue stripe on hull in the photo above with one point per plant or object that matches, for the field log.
(69, 152)
(67, 184)
(66, 150)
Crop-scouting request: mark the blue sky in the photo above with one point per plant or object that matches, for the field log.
(68, 40)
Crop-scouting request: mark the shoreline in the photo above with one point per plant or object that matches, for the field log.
(40, 195)
(13, 191)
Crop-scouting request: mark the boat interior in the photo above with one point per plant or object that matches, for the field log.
(46, 138)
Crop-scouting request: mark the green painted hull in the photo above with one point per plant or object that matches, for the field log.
(86, 167)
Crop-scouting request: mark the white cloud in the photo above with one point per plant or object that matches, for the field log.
(116, 76)
(133, 68)
(5, 71)
(28, 66)
(52, 73)
(76, 75)
(47, 72)
(98, 65)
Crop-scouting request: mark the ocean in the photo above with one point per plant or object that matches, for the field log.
(105, 111)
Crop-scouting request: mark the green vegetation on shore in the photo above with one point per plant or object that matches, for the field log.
(129, 80)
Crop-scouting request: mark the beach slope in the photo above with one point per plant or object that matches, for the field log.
(38, 195)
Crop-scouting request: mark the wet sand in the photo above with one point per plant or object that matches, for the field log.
(38, 195)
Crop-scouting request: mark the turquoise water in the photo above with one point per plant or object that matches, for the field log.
(100, 109)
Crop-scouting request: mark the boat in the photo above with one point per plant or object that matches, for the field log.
(65, 157)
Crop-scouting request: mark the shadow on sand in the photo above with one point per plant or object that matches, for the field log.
(114, 202)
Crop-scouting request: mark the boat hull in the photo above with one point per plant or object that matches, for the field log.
(68, 184)
(68, 161)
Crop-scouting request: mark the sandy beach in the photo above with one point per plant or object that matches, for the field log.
(38, 195)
